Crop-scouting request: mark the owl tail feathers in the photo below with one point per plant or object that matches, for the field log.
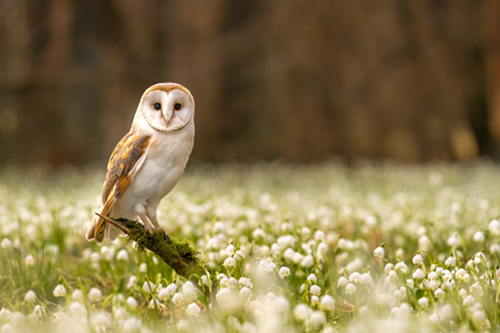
(91, 231)
(99, 229)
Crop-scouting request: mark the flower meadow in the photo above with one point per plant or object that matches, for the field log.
(323, 248)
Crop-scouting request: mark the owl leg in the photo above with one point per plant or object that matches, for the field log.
(157, 225)
(147, 226)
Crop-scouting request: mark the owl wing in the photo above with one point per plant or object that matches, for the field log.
(126, 159)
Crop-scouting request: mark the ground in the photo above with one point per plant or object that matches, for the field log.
(295, 248)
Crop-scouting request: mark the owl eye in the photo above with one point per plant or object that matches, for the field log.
(157, 106)
(177, 106)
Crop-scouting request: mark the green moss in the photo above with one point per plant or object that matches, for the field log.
(182, 256)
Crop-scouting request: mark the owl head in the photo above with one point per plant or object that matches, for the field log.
(165, 107)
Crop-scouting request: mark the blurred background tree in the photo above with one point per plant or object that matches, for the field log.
(273, 79)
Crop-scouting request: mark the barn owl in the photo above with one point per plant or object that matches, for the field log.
(147, 163)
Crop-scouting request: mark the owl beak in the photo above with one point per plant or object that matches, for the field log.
(168, 117)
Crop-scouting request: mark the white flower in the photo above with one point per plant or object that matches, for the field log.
(204, 281)
(229, 262)
(342, 282)
(245, 282)
(315, 290)
(312, 278)
(417, 260)
(221, 275)
(224, 282)
(398, 295)
(433, 284)
(316, 318)
(132, 280)
(171, 288)
(354, 277)
(271, 267)
(239, 255)
(432, 276)
(307, 261)
(284, 272)
(410, 283)
(388, 268)
(18, 319)
(424, 243)
(297, 257)
(29, 260)
(189, 291)
(366, 278)
(6, 243)
(371, 220)
(319, 235)
(494, 227)
(230, 250)
(6, 328)
(60, 291)
(463, 293)
(440, 293)
(30, 296)
(454, 240)
(275, 248)
(148, 287)
(258, 233)
(478, 237)
(39, 311)
(77, 309)
(364, 311)
(476, 287)
(163, 294)
(327, 303)
(401, 266)
(451, 261)
(418, 274)
(5, 315)
(281, 304)
(462, 275)
(178, 298)
(232, 282)
(350, 288)
(306, 232)
(77, 295)
(107, 252)
(469, 300)
(32, 318)
(94, 295)
(132, 302)
(447, 277)
(154, 303)
(314, 300)
(424, 302)
(122, 255)
(301, 311)
(322, 249)
(379, 252)
(479, 316)
(289, 254)
(245, 292)
(143, 268)
(193, 309)
(132, 324)
(477, 258)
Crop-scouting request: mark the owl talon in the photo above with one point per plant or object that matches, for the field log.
(165, 235)
(150, 229)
